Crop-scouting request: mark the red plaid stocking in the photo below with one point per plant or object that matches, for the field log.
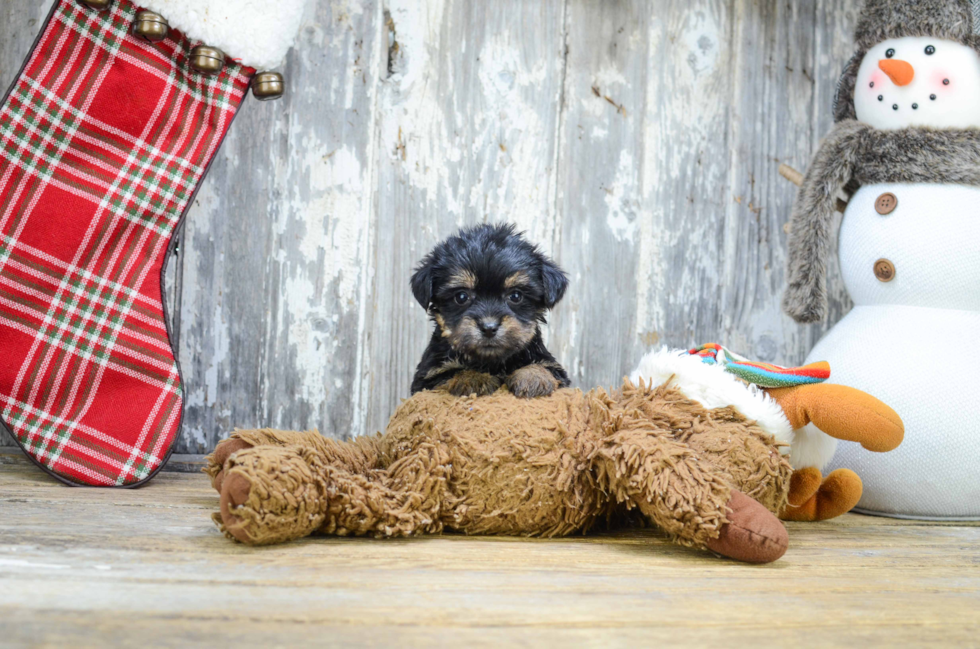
(104, 138)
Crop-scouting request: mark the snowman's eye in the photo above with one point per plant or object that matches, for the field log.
(930, 50)
(889, 53)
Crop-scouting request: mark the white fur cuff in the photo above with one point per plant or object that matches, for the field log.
(713, 387)
(258, 33)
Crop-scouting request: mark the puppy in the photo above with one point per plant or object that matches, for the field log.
(487, 291)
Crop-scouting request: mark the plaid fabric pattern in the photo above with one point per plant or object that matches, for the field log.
(103, 141)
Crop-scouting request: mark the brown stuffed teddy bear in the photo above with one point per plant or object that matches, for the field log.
(551, 466)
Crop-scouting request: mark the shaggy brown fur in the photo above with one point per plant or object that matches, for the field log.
(857, 154)
(501, 465)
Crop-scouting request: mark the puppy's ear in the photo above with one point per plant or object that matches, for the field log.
(422, 284)
(555, 282)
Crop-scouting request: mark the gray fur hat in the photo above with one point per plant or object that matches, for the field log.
(950, 20)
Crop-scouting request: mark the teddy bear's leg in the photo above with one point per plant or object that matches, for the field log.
(242, 439)
(404, 499)
(752, 534)
(836, 495)
(272, 494)
(215, 468)
(685, 497)
(752, 465)
(842, 412)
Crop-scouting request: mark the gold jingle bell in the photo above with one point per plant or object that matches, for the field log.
(267, 85)
(207, 60)
(153, 27)
(98, 5)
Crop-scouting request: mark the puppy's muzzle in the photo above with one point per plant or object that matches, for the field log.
(488, 326)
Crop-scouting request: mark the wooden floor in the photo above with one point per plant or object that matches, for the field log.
(103, 568)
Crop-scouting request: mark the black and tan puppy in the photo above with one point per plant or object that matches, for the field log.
(487, 291)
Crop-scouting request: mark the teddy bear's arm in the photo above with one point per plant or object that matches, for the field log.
(272, 493)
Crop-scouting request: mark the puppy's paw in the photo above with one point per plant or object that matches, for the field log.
(532, 381)
(469, 382)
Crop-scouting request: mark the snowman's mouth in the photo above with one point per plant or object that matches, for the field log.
(896, 106)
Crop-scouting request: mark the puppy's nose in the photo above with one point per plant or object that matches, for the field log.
(489, 327)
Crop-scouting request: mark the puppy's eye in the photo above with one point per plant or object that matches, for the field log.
(889, 53)
(462, 297)
(515, 297)
(930, 50)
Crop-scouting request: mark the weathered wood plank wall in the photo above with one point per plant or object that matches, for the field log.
(637, 141)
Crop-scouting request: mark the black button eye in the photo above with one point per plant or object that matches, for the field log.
(889, 53)
(930, 50)
(515, 297)
(462, 297)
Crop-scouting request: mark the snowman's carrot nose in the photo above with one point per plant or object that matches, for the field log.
(900, 72)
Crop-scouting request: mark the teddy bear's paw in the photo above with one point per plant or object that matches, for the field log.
(752, 534)
(272, 494)
(838, 494)
(469, 382)
(216, 461)
(532, 381)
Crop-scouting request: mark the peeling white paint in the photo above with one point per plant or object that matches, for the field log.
(621, 214)
(700, 39)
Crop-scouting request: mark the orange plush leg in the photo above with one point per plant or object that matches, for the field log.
(842, 412)
(837, 495)
(804, 485)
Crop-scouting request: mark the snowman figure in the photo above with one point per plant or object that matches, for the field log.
(907, 146)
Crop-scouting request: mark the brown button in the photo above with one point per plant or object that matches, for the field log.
(886, 203)
(98, 5)
(884, 270)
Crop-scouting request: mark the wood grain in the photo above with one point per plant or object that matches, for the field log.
(637, 141)
(146, 566)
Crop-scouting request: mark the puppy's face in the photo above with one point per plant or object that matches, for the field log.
(487, 290)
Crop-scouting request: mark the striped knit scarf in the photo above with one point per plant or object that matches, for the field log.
(764, 375)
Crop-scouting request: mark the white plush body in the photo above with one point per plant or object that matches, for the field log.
(713, 387)
(258, 33)
(912, 342)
